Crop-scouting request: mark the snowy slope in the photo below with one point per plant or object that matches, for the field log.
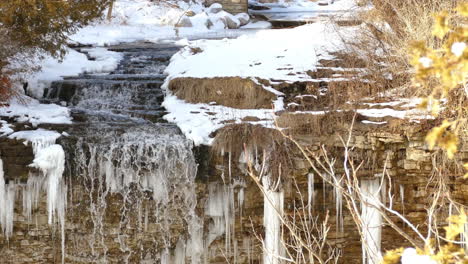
(284, 54)
(277, 55)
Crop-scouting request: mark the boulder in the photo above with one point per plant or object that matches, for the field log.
(243, 18)
(215, 8)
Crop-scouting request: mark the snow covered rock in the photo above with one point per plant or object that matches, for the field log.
(190, 13)
(201, 21)
(232, 22)
(184, 22)
(243, 18)
(223, 19)
(215, 8)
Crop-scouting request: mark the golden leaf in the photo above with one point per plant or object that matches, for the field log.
(463, 9)
(441, 27)
(456, 225)
(393, 256)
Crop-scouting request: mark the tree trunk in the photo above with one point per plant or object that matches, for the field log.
(109, 12)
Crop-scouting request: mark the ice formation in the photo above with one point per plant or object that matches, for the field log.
(371, 221)
(272, 213)
(7, 203)
(220, 208)
(39, 138)
(310, 192)
(152, 159)
(49, 159)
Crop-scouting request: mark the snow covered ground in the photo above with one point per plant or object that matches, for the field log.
(143, 20)
(304, 10)
(31, 111)
(282, 54)
(74, 63)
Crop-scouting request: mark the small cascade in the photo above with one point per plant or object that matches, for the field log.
(371, 221)
(150, 164)
(135, 170)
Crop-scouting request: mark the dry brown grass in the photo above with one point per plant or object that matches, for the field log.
(228, 91)
(265, 142)
(389, 30)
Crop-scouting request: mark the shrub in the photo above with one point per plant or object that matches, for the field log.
(39, 27)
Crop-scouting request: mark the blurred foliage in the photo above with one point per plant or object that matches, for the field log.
(46, 24)
(35, 28)
(442, 71)
(449, 253)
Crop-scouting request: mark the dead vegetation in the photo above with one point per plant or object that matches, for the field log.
(232, 92)
(389, 29)
(263, 144)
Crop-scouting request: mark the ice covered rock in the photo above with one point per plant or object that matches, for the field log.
(243, 18)
(215, 8)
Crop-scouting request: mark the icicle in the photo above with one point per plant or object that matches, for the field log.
(220, 208)
(195, 246)
(31, 194)
(339, 209)
(310, 192)
(229, 165)
(7, 203)
(247, 245)
(179, 253)
(371, 221)
(51, 161)
(273, 209)
(166, 257)
(240, 201)
(402, 196)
